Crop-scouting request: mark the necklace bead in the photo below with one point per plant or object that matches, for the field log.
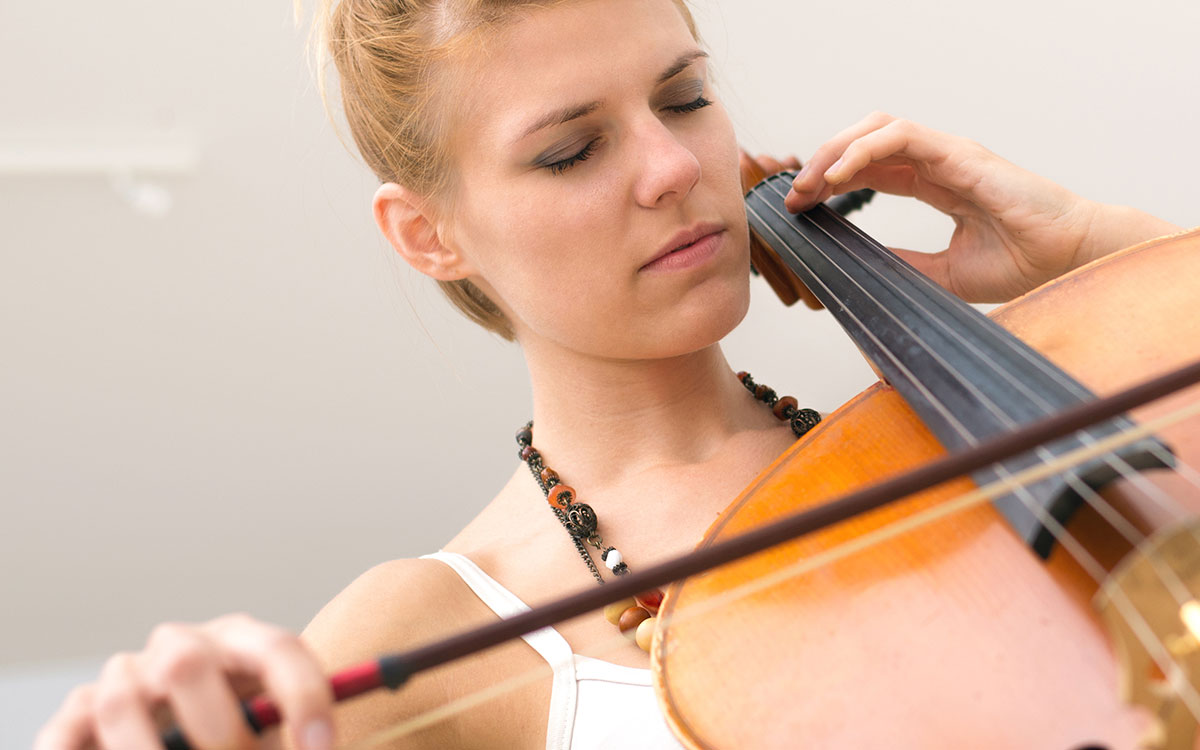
(630, 619)
(650, 600)
(644, 635)
(581, 520)
(634, 617)
(613, 611)
(803, 421)
(560, 495)
(785, 407)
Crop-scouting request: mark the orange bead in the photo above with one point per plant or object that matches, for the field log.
(645, 634)
(561, 496)
(630, 619)
(549, 475)
(612, 612)
(781, 406)
(649, 600)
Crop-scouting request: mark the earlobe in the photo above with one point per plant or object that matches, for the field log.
(409, 223)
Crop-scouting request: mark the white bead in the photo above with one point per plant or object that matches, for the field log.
(612, 559)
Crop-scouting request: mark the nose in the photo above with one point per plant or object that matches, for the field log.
(667, 168)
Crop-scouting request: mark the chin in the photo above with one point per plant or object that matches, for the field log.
(696, 324)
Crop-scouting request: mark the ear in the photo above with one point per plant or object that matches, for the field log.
(410, 224)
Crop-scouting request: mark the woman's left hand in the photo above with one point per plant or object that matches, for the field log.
(1013, 229)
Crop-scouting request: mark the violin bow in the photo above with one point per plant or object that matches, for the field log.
(393, 670)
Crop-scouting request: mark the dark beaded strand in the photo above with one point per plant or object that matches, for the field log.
(581, 523)
(579, 519)
(547, 479)
(785, 409)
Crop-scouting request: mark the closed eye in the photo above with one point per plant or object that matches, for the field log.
(699, 103)
(559, 167)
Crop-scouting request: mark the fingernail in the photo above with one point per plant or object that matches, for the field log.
(831, 174)
(317, 735)
(795, 203)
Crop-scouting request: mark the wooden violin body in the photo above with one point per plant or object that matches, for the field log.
(952, 634)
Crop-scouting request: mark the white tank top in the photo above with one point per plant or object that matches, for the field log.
(593, 703)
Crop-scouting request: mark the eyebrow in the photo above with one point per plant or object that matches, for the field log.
(681, 65)
(574, 112)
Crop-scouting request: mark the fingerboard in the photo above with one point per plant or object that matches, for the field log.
(966, 377)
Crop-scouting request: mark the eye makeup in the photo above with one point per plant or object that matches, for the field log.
(568, 151)
(677, 95)
(692, 106)
(559, 167)
(681, 94)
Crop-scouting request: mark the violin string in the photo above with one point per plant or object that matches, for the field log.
(1136, 478)
(1007, 484)
(997, 488)
(1177, 589)
(965, 501)
(957, 425)
(461, 705)
(1086, 493)
(1182, 468)
(933, 400)
(1121, 468)
(1168, 576)
(1002, 485)
(1170, 579)
(837, 552)
(1040, 363)
(1043, 365)
(1153, 644)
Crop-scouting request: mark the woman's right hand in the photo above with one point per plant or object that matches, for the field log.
(195, 676)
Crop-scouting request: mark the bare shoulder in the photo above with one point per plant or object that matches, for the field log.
(388, 606)
(392, 607)
(401, 604)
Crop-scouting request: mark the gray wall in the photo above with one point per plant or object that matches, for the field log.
(243, 402)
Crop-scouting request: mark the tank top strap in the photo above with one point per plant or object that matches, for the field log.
(548, 642)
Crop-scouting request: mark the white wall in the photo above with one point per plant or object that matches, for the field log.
(242, 404)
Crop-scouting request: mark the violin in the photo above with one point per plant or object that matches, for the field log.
(911, 627)
(961, 615)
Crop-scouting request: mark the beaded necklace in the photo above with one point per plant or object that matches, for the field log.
(634, 617)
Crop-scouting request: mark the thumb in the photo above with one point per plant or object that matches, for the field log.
(933, 265)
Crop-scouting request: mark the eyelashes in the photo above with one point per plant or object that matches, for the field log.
(561, 166)
(699, 103)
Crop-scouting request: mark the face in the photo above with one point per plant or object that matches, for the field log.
(597, 196)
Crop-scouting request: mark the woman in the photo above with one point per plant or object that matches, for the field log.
(567, 173)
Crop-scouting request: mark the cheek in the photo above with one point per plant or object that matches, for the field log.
(546, 256)
(720, 146)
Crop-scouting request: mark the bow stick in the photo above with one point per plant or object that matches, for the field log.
(394, 670)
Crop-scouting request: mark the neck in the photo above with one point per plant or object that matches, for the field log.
(604, 421)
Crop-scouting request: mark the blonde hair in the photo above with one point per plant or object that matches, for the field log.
(389, 55)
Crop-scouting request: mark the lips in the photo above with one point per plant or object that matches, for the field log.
(685, 238)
